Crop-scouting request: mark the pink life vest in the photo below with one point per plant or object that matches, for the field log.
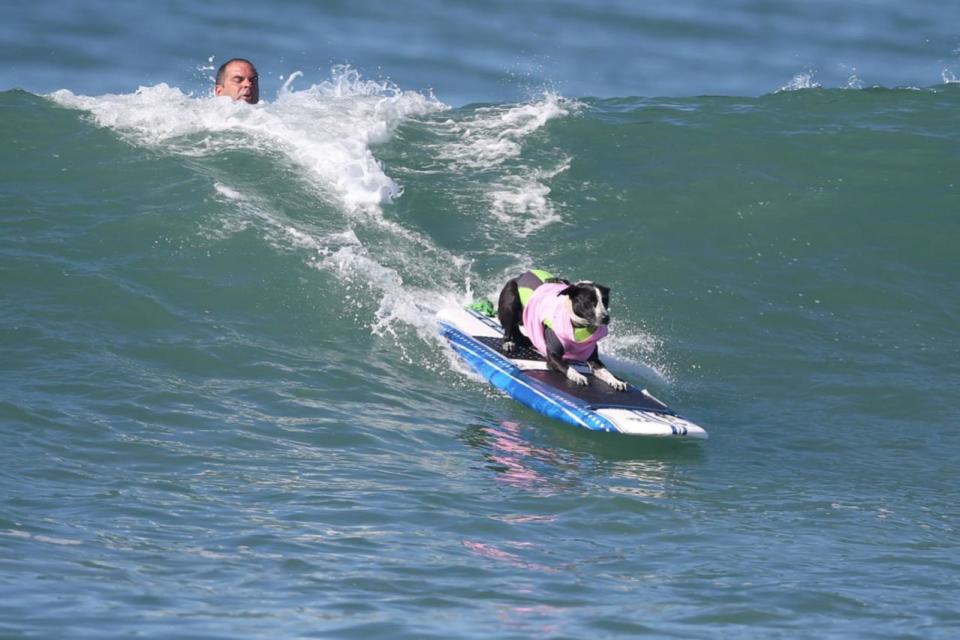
(545, 306)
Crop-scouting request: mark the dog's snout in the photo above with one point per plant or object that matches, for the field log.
(605, 318)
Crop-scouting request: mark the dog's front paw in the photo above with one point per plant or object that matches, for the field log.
(576, 377)
(508, 346)
(616, 383)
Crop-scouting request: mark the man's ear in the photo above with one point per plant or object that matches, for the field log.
(218, 90)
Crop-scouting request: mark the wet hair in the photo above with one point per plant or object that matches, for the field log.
(222, 71)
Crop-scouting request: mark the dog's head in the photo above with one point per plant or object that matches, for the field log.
(589, 303)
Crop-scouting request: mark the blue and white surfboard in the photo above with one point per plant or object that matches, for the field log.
(524, 376)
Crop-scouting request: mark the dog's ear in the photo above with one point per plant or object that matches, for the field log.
(568, 291)
(604, 295)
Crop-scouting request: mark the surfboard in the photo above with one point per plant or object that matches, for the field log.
(523, 375)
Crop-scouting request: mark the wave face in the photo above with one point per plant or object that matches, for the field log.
(226, 412)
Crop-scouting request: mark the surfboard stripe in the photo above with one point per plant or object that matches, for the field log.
(505, 375)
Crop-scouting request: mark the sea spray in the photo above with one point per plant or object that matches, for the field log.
(328, 128)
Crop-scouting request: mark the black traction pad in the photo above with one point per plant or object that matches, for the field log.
(520, 353)
(597, 394)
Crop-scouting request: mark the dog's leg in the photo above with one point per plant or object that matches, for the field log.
(602, 373)
(556, 362)
(510, 314)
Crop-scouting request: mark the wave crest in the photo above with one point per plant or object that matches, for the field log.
(328, 128)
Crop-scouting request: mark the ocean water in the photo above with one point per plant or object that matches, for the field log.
(224, 408)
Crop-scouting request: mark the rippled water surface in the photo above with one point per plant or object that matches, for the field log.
(224, 406)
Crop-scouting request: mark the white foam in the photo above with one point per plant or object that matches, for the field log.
(494, 135)
(521, 202)
(803, 80)
(328, 128)
(493, 139)
(854, 82)
(284, 235)
(227, 192)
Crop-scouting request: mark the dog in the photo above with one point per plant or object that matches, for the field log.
(563, 321)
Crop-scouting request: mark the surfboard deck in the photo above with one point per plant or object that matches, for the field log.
(524, 376)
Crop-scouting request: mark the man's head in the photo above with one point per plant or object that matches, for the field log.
(238, 79)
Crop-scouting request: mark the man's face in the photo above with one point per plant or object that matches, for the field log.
(240, 82)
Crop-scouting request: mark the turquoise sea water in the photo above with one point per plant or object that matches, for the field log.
(224, 409)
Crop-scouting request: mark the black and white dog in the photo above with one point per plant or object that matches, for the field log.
(563, 321)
